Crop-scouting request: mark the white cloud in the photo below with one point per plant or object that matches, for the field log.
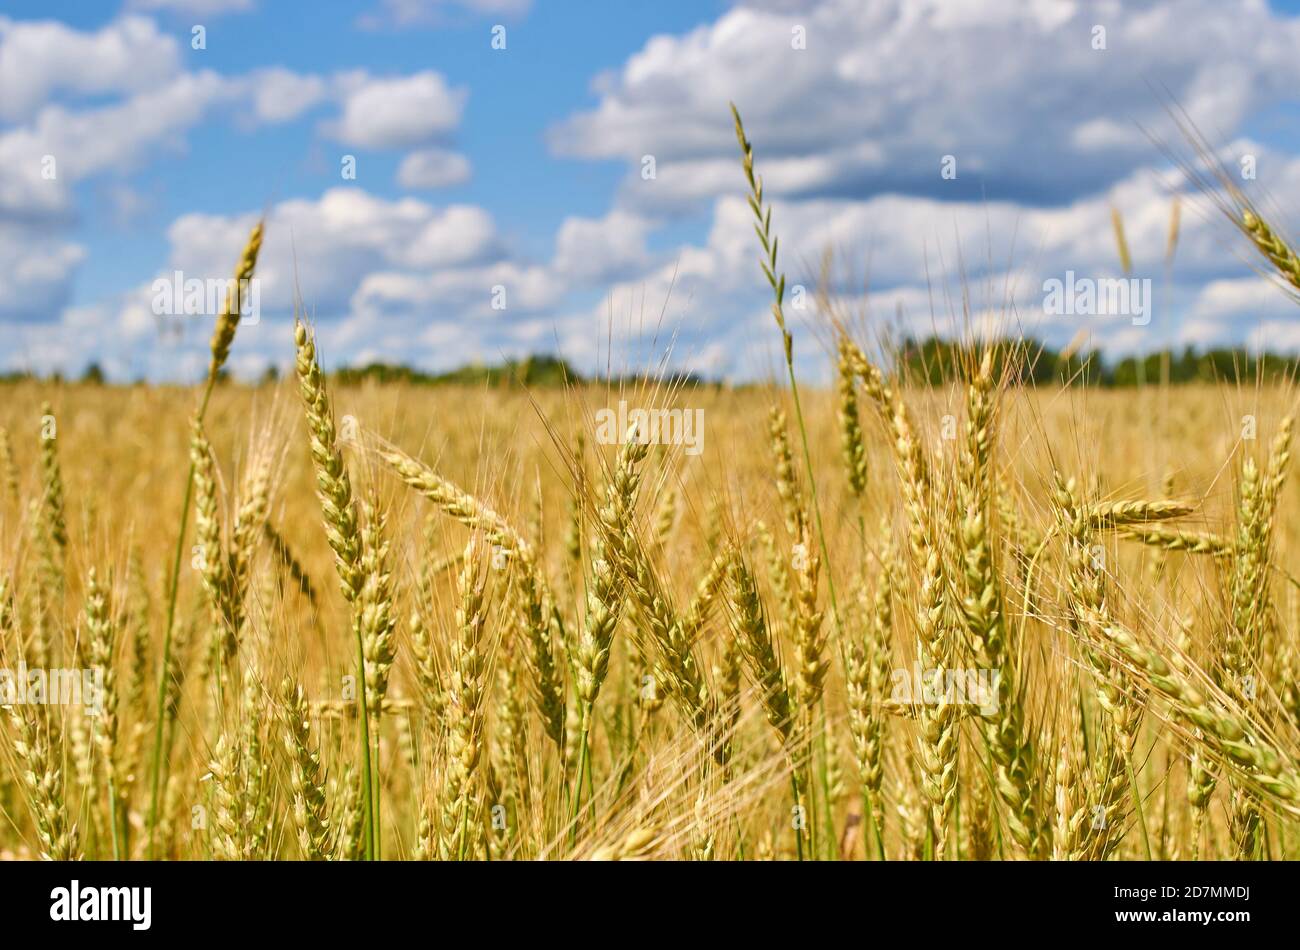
(717, 300)
(1257, 311)
(848, 132)
(458, 294)
(873, 103)
(116, 138)
(398, 13)
(433, 168)
(1276, 336)
(598, 250)
(42, 58)
(329, 245)
(125, 135)
(400, 280)
(396, 112)
(1223, 299)
(150, 107)
(408, 281)
(460, 234)
(57, 146)
(280, 95)
(126, 346)
(35, 274)
(194, 7)
(125, 205)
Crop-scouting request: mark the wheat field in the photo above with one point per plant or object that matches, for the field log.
(875, 620)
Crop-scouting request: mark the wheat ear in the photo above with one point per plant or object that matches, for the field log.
(1271, 245)
(39, 768)
(223, 334)
(1176, 539)
(1232, 736)
(309, 807)
(102, 631)
(984, 610)
(214, 567)
(852, 445)
(343, 532)
(1115, 514)
(461, 833)
(535, 614)
(750, 629)
(866, 672)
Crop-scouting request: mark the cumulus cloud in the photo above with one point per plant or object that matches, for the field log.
(849, 134)
(194, 7)
(409, 281)
(116, 138)
(42, 58)
(401, 280)
(1225, 298)
(1255, 310)
(396, 112)
(379, 277)
(459, 295)
(35, 274)
(918, 254)
(55, 142)
(52, 142)
(1275, 335)
(604, 249)
(433, 168)
(397, 13)
(874, 102)
(281, 95)
(329, 245)
(122, 136)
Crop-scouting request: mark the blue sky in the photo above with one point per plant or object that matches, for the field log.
(522, 168)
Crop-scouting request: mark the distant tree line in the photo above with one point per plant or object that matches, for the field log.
(935, 360)
(932, 361)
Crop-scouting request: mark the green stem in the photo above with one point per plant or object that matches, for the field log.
(367, 776)
(583, 752)
(812, 485)
(464, 827)
(763, 226)
(875, 828)
(173, 587)
(1137, 801)
(376, 797)
(112, 814)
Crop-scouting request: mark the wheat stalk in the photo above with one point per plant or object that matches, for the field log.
(222, 337)
(343, 532)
